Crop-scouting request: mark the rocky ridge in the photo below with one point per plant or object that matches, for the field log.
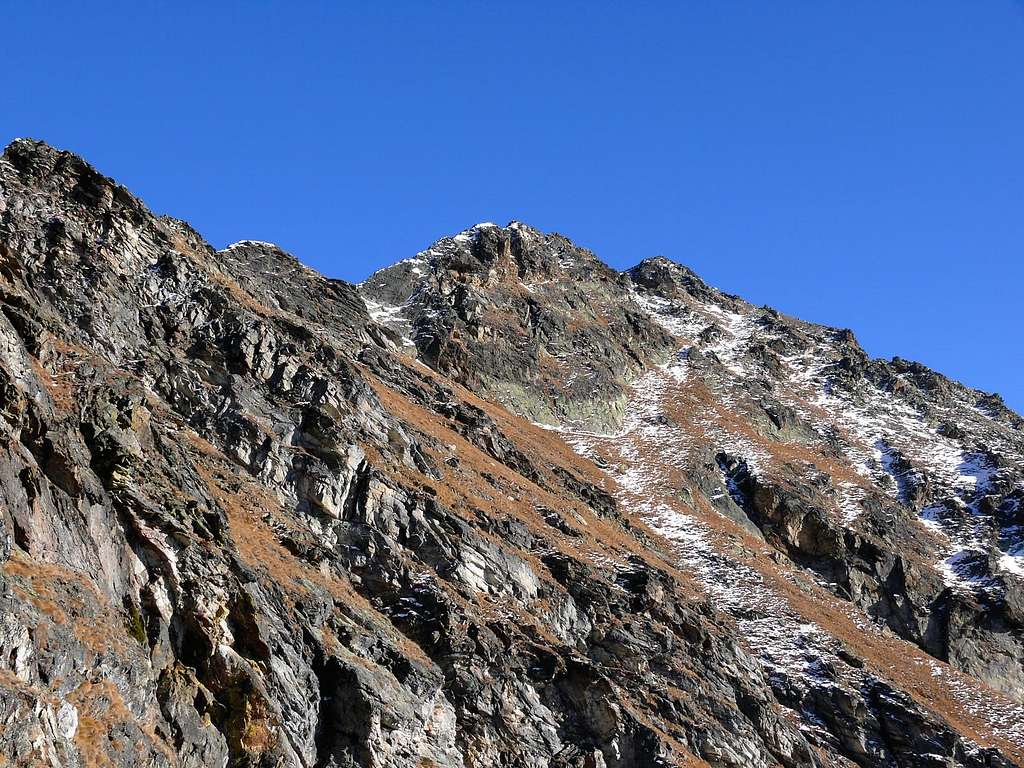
(530, 320)
(900, 488)
(256, 517)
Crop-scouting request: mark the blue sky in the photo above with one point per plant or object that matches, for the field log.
(859, 164)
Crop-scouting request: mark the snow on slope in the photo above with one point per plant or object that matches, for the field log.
(888, 443)
(642, 458)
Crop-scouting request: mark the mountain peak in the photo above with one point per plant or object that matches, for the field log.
(669, 278)
(64, 175)
(27, 144)
(36, 158)
(230, 493)
(526, 301)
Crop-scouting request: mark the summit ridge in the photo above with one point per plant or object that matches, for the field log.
(498, 504)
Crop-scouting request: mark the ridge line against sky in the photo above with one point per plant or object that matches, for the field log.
(856, 166)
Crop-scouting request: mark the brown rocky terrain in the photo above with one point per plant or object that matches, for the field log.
(499, 505)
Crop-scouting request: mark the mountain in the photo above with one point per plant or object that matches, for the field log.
(498, 505)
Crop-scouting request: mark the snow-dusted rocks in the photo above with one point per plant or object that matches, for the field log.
(528, 319)
(867, 477)
(251, 516)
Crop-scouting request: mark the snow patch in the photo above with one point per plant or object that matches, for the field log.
(251, 244)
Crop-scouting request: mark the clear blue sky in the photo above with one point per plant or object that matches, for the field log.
(854, 163)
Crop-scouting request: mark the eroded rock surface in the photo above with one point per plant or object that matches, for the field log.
(531, 320)
(252, 516)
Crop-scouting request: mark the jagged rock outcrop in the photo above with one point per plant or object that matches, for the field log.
(530, 320)
(908, 445)
(898, 486)
(245, 521)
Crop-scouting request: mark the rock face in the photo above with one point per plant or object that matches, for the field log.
(899, 487)
(255, 517)
(527, 319)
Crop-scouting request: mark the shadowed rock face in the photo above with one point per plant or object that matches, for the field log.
(530, 320)
(251, 516)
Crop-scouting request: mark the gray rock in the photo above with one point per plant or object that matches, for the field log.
(241, 526)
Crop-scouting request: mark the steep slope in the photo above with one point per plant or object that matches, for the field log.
(900, 488)
(897, 489)
(528, 319)
(242, 524)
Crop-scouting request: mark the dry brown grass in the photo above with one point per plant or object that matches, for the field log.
(100, 707)
(59, 387)
(465, 488)
(68, 598)
(260, 547)
(891, 658)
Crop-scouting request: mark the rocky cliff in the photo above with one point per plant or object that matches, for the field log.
(499, 505)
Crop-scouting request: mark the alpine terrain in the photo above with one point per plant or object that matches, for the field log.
(498, 505)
